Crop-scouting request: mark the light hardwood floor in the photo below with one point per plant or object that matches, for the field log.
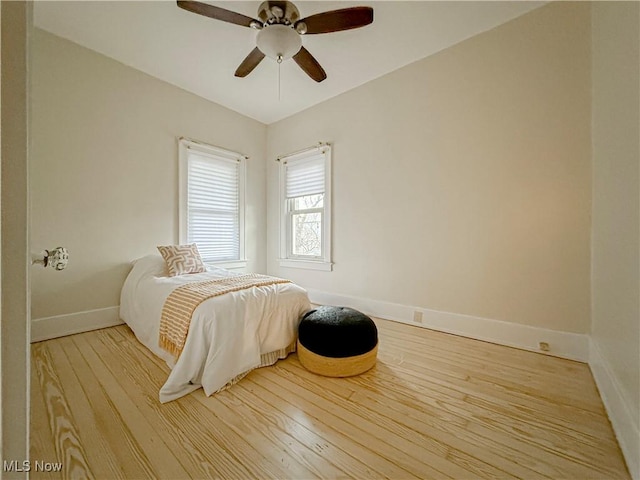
(435, 406)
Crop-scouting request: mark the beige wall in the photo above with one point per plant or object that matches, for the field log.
(14, 326)
(104, 170)
(616, 197)
(462, 182)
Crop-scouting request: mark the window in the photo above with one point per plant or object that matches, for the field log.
(305, 195)
(212, 202)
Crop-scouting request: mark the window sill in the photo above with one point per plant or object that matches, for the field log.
(306, 264)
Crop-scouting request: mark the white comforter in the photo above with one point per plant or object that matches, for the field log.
(228, 333)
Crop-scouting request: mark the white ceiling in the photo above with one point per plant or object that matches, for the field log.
(200, 54)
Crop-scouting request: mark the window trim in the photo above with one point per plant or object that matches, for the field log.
(186, 144)
(324, 262)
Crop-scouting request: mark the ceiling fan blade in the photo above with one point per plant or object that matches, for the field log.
(249, 63)
(310, 65)
(337, 20)
(217, 13)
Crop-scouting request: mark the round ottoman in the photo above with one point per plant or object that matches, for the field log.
(337, 341)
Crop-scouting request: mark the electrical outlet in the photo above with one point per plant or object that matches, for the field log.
(417, 316)
(544, 346)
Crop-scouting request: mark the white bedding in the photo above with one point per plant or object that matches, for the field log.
(228, 333)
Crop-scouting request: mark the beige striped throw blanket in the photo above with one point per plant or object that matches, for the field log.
(182, 302)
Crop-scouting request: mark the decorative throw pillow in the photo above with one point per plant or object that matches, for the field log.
(181, 259)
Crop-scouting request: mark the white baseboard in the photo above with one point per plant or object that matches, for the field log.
(573, 346)
(61, 325)
(625, 424)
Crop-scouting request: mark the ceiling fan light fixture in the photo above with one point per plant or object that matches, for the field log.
(279, 42)
(280, 31)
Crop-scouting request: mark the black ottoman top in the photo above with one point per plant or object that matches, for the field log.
(337, 332)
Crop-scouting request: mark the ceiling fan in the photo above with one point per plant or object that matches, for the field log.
(280, 30)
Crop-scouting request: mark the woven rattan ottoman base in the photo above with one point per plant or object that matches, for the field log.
(336, 367)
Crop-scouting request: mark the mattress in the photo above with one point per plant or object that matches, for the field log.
(229, 335)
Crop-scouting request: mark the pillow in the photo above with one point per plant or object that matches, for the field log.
(152, 264)
(181, 259)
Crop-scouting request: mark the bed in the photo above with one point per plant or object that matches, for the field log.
(229, 334)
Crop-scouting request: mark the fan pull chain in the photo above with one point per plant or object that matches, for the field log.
(279, 82)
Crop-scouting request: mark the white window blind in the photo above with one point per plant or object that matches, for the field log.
(211, 201)
(305, 177)
(213, 206)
